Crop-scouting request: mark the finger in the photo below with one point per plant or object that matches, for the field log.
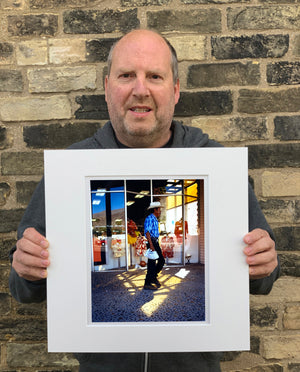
(261, 258)
(261, 245)
(29, 267)
(255, 235)
(35, 237)
(262, 271)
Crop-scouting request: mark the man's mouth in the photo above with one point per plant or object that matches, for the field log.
(140, 109)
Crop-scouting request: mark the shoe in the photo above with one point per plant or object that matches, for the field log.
(157, 283)
(150, 287)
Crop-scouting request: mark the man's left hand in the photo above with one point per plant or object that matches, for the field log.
(261, 253)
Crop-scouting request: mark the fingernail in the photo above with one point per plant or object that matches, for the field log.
(44, 273)
(44, 243)
(45, 262)
(44, 253)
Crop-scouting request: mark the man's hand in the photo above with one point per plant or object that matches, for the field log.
(31, 258)
(261, 253)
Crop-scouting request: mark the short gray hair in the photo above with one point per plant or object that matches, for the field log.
(174, 60)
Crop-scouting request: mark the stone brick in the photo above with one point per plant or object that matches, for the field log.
(293, 367)
(97, 50)
(63, 51)
(33, 52)
(287, 238)
(290, 264)
(10, 219)
(264, 18)
(287, 127)
(25, 163)
(233, 129)
(54, 4)
(260, 101)
(32, 309)
(4, 192)
(4, 275)
(58, 136)
(33, 24)
(6, 53)
(3, 138)
(5, 304)
(12, 4)
(265, 317)
(279, 73)
(98, 22)
(275, 155)
(189, 47)
(23, 330)
(130, 3)
(32, 109)
(291, 317)
(255, 46)
(297, 46)
(64, 79)
(282, 183)
(196, 20)
(11, 81)
(5, 247)
(92, 107)
(279, 211)
(280, 347)
(217, 75)
(36, 355)
(262, 368)
(204, 103)
(25, 190)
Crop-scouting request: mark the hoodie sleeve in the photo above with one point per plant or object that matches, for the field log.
(257, 220)
(21, 289)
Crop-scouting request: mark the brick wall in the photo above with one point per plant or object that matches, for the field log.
(240, 79)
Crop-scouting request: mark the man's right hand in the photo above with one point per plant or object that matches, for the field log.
(31, 258)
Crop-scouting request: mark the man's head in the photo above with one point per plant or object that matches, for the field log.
(140, 90)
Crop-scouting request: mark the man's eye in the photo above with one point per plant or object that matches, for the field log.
(125, 76)
(155, 77)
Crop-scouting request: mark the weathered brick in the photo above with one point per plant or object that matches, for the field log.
(5, 246)
(287, 127)
(36, 355)
(290, 264)
(12, 4)
(4, 192)
(23, 330)
(233, 129)
(64, 79)
(4, 275)
(144, 2)
(260, 101)
(204, 103)
(11, 81)
(33, 52)
(33, 24)
(196, 20)
(58, 136)
(264, 18)
(217, 75)
(255, 46)
(66, 50)
(279, 73)
(5, 304)
(287, 238)
(279, 211)
(9, 219)
(96, 21)
(97, 50)
(297, 46)
(25, 163)
(280, 183)
(92, 107)
(25, 190)
(3, 137)
(262, 368)
(275, 155)
(291, 317)
(31, 109)
(189, 47)
(265, 317)
(293, 367)
(54, 4)
(34, 309)
(280, 346)
(6, 53)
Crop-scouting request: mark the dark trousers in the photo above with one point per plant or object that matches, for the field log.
(154, 266)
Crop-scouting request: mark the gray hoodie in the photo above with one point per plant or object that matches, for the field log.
(27, 292)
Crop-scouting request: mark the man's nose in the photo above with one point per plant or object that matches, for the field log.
(140, 88)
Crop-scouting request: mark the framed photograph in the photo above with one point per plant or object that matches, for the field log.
(99, 204)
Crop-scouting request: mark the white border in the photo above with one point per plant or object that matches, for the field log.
(227, 300)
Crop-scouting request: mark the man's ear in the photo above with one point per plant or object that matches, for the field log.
(177, 91)
(105, 86)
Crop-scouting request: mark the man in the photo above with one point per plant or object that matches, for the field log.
(151, 232)
(141, 89)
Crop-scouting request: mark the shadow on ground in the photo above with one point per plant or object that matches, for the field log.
(120, 297)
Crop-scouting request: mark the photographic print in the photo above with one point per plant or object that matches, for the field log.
(155, 250)
(119, 212)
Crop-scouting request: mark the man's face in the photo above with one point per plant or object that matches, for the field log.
(140, 92)
(157, 212)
